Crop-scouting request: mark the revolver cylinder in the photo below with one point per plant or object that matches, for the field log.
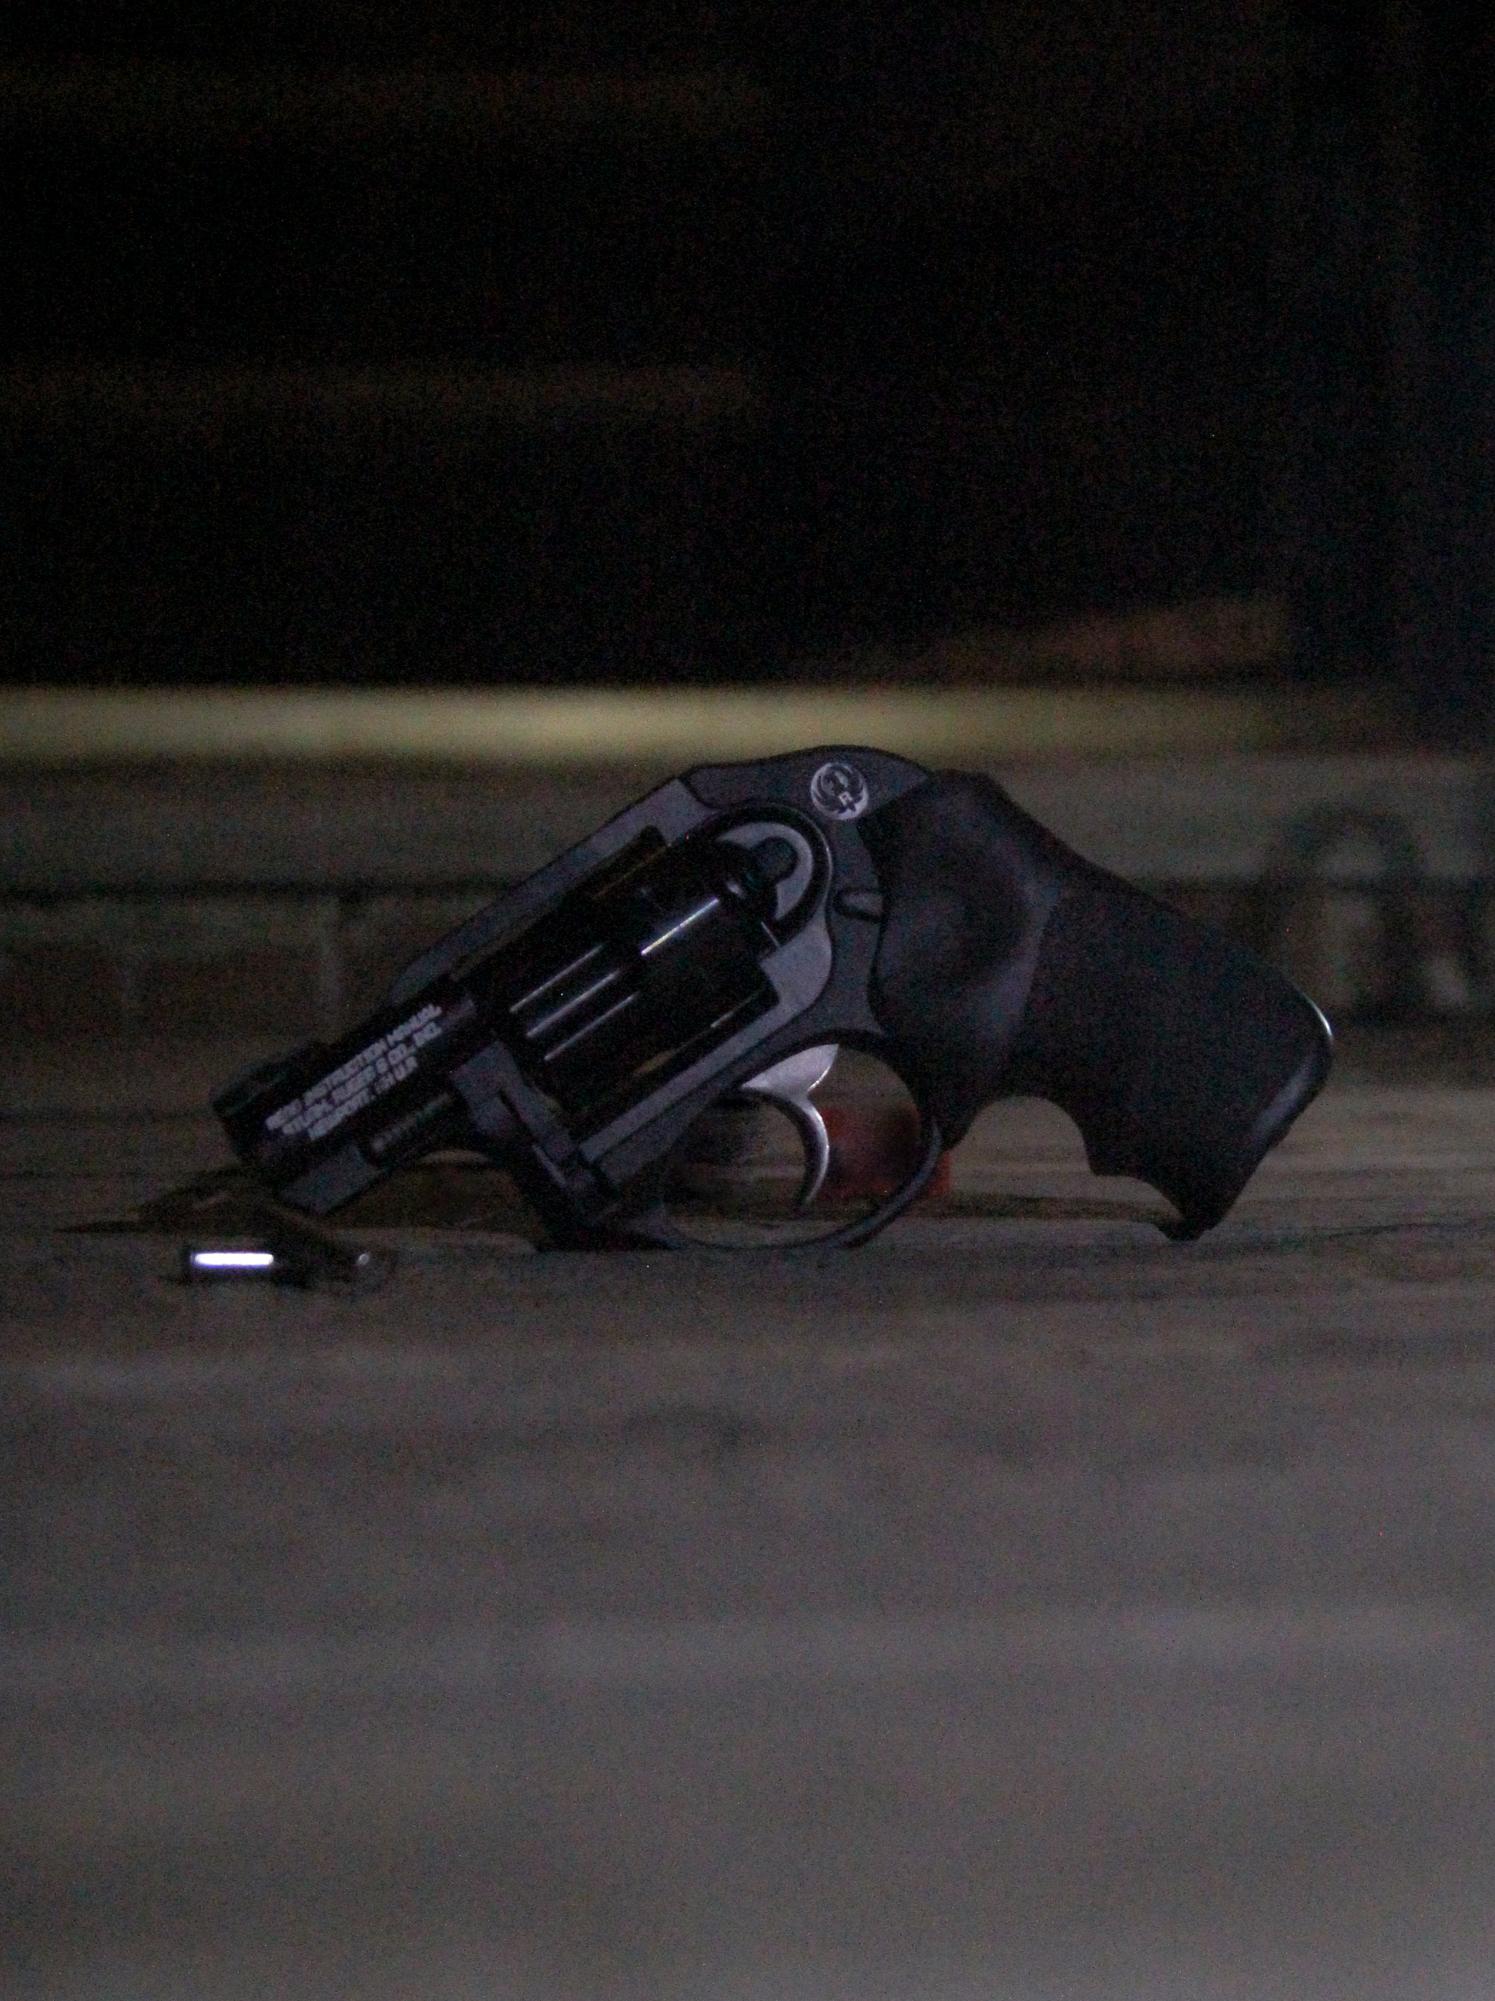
(645, 970)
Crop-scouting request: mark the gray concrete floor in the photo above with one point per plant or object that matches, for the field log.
(1020, 1607)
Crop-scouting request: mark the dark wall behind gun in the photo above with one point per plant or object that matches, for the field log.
(694, 340)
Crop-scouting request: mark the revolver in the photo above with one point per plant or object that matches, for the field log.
(717, 943)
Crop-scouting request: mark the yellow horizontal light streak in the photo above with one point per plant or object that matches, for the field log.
(577, 728)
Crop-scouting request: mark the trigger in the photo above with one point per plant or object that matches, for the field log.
(807, 1122)
(788, 1084)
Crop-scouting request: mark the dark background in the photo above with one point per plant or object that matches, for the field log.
(366, 343)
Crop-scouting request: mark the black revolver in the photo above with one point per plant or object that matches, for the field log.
(720, 939)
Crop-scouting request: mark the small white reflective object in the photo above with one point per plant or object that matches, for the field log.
(232, 1260)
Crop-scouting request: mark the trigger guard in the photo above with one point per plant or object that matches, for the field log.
(932, 1147)
(653, 1229)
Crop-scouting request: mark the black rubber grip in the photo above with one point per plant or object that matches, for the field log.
(1010, 966)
